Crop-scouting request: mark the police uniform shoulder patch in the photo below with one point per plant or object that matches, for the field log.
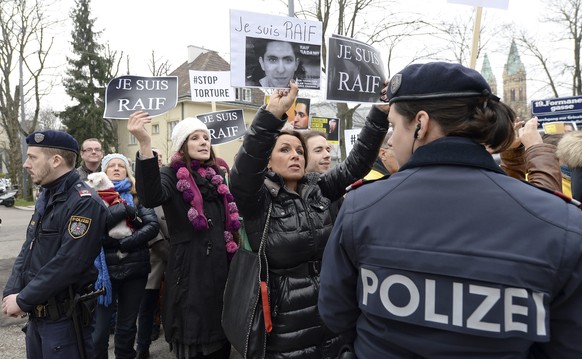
(79, 226)
(84, 192)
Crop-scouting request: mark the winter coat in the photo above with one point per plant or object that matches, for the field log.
(570, 152)
(129, 257)
(538, 164)
(298, 230)
(197, 264)
(451, 258)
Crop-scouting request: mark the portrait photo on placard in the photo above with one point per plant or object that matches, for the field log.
(269, 51)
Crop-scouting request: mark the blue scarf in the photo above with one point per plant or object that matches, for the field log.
(124, 187)
(103, 279)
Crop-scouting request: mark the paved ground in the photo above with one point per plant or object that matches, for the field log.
(14, 222)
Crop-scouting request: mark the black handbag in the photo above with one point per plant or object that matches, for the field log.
(246, 317)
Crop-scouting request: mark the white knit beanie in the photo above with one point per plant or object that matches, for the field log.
(184, 129)
(109, 157)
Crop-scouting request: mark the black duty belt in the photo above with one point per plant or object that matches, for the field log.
(307, 269)
(53, 311)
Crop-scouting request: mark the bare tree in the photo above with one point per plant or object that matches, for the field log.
(157, 66)
(568, 14)
(24, 49)
(351, 18)
(560, 71)
(48, 120)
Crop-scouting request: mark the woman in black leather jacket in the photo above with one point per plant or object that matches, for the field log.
(128, 261)
(270, 168)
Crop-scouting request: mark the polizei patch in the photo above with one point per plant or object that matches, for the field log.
(79, 226)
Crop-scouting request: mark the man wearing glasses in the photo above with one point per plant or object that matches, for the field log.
(91, 154)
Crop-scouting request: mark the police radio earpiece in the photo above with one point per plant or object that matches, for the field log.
(416, 131)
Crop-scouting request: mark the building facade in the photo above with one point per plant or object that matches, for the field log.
(247, 99)
(514, 82)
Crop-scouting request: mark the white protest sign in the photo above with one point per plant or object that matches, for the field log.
(498, 4)
(351, 137)
(206, 86)
(268, 51)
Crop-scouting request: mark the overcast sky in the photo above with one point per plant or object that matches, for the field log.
(168, 27)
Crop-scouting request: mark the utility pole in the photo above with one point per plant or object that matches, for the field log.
(291, 8)
(476, 35)
(24, 189)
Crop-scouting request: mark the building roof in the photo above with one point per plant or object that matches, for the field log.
(488, 75)
(205, 60)
(514, 64)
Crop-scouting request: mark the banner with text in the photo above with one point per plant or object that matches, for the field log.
(498, 4)
(268, 51)
(125, 95)
(224, 126)
(207, 86)
(354, 71)
(328, 125)
(564, 109)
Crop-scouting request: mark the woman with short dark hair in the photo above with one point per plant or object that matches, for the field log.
(269, 170)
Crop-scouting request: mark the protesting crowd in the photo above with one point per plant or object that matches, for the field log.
(419, 244)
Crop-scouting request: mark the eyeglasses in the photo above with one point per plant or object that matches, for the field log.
(92, 150)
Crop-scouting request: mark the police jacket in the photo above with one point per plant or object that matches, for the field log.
(298, 230)
(452, 258)
(61, 244)
(197, 263)
(129, 257)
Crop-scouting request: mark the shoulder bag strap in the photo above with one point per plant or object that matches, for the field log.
(264, 284)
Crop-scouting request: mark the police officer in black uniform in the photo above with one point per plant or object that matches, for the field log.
(450, 257)
(54, 271)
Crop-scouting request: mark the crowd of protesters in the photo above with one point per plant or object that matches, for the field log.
(435, 251)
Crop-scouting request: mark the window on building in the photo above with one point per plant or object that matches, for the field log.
(521, 94)
(171, 126)
(155, 128)
(132, 139)
(244, 94)
(512, 96)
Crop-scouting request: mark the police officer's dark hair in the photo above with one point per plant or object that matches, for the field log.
(69, 156)
(301, 139)
(484, 121)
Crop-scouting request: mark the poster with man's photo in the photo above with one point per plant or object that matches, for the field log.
(298, 114)
(355, 72)
(268, 51)
(330, 126)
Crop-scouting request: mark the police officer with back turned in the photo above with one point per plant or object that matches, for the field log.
(450, 257)
(54, 272)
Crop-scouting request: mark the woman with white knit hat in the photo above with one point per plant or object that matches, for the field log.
(203, 222)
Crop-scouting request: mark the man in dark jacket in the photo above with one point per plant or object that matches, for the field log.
(56, 261)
